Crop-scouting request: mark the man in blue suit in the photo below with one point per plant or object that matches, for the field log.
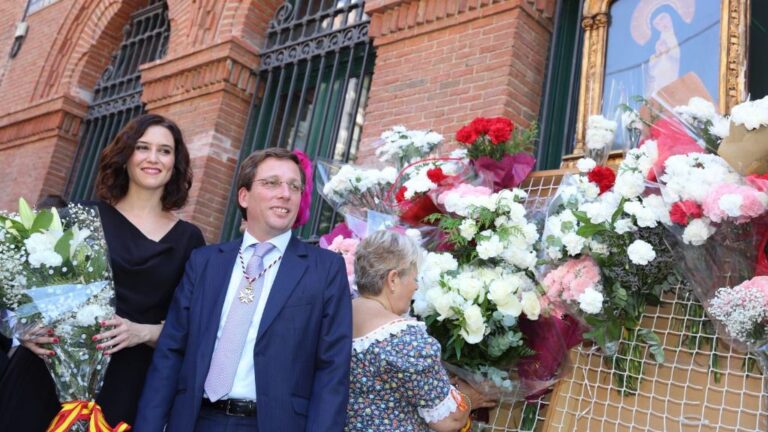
(259, 333)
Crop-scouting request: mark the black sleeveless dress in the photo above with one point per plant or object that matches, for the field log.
(145, 273)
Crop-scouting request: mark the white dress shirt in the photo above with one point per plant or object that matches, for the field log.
(244, 386)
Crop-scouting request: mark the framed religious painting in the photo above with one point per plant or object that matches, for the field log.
(662, 51)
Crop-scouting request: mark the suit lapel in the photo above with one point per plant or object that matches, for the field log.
(215, 291)
(291, 269)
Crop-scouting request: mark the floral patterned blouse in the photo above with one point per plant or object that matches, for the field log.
(397, 382)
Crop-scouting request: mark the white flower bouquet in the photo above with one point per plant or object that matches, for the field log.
(353, 189)
(608, 257)
(599, 137)
(481, 300)
(55, 276)
(745, 147)
(401, 146)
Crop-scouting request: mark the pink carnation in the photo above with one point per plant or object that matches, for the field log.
(741, 203)
(464, 190)
(346, 247)
(572, 278)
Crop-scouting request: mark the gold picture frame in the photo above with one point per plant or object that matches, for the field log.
(595, 19)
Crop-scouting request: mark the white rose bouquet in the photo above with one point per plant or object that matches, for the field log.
(477, 298)
(54, 274)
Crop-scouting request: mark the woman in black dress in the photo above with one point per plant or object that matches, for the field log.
(144, 175)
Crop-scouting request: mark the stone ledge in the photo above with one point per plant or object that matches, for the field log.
(394, 20)
(56, 117)
(226, 66)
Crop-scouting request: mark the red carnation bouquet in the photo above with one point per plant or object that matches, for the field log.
(498, 150)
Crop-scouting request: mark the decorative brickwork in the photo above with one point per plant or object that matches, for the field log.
(441, 63)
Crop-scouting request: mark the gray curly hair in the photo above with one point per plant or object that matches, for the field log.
(379, 254)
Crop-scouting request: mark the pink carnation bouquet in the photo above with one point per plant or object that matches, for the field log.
(575, 285)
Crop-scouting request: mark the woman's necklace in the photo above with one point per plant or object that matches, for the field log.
(377, 301)
(246, 293)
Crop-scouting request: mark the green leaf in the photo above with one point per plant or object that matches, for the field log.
(26, 214)
(42, 221)
(581, 217)
(56, 223)
(619, 210)
(590, 230)
(63, 244)
(654, 344)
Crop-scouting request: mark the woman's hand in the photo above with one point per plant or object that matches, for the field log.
(126, 334)
(36, 337)
(476, 399)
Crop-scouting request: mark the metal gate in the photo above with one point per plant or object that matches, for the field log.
(311, 90)
(117, 95)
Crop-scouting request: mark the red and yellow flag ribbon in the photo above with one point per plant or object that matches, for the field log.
(72, 412)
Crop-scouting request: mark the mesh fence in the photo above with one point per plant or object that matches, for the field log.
(702, 384)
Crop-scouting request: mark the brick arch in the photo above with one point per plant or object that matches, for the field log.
(196, 24)
(83, 47)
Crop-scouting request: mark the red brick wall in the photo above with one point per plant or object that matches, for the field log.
(205, 83)
(439, 64)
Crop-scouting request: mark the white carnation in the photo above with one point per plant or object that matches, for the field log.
(490, 247)
(90, 315)
(591, 301)
(585, 164)
(468, 229)
(641, 252)
(629, 184)
(697, 232)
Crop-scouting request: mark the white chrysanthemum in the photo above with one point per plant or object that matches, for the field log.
(641, 252)
(697, 232)
(705, 171)
(591, 301)
(751, 114)
(586, 164)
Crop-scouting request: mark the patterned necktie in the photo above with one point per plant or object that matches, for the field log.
(229, 349)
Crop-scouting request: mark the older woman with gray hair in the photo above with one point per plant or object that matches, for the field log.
(397, 381)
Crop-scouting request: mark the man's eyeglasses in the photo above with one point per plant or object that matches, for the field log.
(273, 183)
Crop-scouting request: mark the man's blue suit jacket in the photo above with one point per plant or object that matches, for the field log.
(301, 355)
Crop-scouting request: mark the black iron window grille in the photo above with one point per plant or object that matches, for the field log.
(117, 95)
(312, 87)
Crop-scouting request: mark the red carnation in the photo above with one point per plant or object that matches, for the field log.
(467, 135)
(436, 175)
(400, 195)
(603, 177)
(683, 212)
(500, 132)
(481, 125)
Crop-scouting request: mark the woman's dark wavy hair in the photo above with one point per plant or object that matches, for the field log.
(112, 180)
